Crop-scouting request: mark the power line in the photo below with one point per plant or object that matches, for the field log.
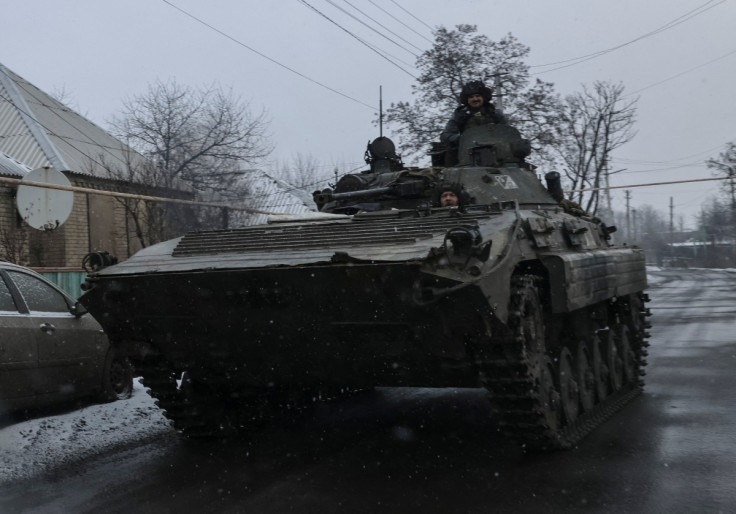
(374, 30)
(65, 139)
(297, 188)
(238, 42)
(399, 21)
(107, 150)
(383, 27)
(673, 23)
(687, 157)
(410, 14)
(681, 73)
(352, 35)
(646, 185)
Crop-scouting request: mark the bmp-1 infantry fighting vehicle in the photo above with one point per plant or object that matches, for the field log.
(384, 287)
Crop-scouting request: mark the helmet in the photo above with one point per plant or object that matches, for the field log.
(475, 87)
(463, 198)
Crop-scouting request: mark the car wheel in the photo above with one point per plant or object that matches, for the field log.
(117, 379)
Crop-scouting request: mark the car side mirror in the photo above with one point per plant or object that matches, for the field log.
(78, 309)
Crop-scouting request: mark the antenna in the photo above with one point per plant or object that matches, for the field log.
(380, 111)
(497, 90)
(44, 208)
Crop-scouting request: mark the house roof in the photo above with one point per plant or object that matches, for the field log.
(38, 130)
(10, 167)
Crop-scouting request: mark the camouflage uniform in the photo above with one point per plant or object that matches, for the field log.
(465, 115)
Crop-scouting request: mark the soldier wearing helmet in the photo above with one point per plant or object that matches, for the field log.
(452, 195)
(476, 109)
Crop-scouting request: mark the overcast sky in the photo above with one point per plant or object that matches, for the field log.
(320, 85)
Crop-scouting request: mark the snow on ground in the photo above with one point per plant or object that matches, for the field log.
(653, 278)
(36, 446)
(657, 275)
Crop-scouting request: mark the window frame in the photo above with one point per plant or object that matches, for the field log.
(17, 296)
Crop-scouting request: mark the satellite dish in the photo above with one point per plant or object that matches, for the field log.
(41, 207)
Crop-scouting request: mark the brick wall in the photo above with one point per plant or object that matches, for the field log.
(13, 232)
(96, 222)
(66, 245)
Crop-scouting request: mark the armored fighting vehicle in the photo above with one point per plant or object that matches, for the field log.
(511, 291)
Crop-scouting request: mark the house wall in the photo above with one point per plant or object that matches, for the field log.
(47, 248)
(13, 238)
(95, 223)
(107, 227)
(134, 243)
(76, 233)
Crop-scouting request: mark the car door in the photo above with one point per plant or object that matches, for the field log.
(18, 354)
(71, 349)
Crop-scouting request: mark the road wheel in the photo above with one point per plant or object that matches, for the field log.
(600, 369)
(614, 361)
(628, 358)
(117, 378)
(585, 377)
(549, 395)
(569, 390)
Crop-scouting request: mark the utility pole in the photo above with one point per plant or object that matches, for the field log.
(628, 221)
(672, 226)
(380, 111)
(636, 227)
(608, 188)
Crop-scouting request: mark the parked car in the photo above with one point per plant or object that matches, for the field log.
(51, 349)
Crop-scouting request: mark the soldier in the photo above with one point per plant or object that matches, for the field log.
(448, 198)
(477, 109)
(452, 195)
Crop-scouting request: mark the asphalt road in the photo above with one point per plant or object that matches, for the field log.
(427, 450)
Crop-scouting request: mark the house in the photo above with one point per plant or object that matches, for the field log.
(38, 131)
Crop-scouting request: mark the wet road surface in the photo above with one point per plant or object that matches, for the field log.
(428, 450)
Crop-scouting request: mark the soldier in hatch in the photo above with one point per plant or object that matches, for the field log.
(449, 199)
(476, 109)
(452, 195)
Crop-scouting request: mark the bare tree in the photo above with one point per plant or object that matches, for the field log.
(725, 166)
(148, 219)
(595, 123)
(201, 139)
(457, 57)
(304, 171)
(14, 245)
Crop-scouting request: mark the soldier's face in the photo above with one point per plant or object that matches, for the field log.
(448, 199)
(475, 101)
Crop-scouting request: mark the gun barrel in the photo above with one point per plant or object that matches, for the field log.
(362, 193)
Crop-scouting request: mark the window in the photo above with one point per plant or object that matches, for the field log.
(39, 295)
(6, 300)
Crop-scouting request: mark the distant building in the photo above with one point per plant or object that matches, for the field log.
(37, 131)
(268, 194)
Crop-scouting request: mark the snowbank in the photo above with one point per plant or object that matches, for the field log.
(39, 445)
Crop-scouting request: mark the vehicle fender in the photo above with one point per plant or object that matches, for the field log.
(579, 279)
